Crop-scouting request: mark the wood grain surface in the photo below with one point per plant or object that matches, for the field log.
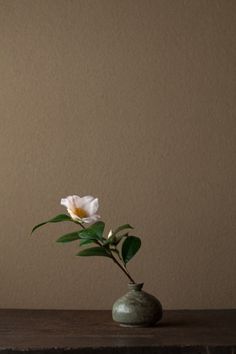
(180, 331)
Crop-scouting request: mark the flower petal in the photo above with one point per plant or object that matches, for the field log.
(64, 202)
(91, 207)
(70, 201)
(78, 207)
(91, 219)
(74, 216)
(75, 201)
(85, 200)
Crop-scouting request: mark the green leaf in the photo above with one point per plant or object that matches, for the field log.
(94, 232)
(98, 228)
(130, 247)
(58, 218)
(115, 239)
(85, 241)
(69, 237)
(122, 227)
(88, 234)
(118, 238)
(94, 251)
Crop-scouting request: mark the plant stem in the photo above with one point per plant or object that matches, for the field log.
(123, 269)
(80, 223)
(116, 262)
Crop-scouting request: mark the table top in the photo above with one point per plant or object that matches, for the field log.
(180, 331)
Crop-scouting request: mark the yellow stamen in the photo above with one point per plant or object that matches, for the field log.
(81, 213)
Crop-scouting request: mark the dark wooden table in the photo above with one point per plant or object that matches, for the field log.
(57, 331)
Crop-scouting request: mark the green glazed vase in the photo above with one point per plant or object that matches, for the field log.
(137, 308)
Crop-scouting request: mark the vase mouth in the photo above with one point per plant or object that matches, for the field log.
(135, 286)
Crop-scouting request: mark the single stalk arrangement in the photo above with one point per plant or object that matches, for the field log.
(119, 246)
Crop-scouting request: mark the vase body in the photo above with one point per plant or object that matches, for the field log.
(137, 308)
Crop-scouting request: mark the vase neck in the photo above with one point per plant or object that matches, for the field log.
(134, 286)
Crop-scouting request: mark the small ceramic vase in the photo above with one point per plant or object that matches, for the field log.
(137, 308)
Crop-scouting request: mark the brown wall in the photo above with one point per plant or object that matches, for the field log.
(132, 101)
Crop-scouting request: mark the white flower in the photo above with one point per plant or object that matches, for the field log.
(82, 209)
(110, 234)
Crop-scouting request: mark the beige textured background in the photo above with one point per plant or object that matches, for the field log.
(132, 102)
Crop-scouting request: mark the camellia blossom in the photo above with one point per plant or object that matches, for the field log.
(82, 209)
